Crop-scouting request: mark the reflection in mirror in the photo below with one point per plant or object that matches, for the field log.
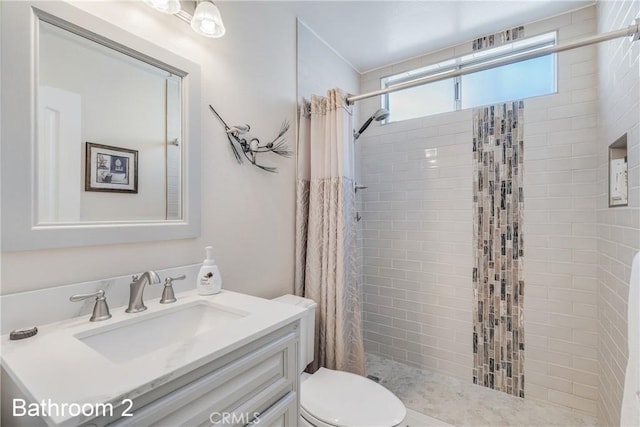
(90, 93)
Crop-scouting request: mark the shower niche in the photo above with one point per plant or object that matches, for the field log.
(618, 173)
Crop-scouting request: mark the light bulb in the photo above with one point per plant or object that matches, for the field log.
(208, 27)
(165, 6)
(207, 20)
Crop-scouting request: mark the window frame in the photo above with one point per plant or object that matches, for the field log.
(484, 56)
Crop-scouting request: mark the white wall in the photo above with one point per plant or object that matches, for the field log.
(417, 242)
(618, 228)
(320, 68)
(418, 233)
(561, 357)
(248, 215)
(418, 236)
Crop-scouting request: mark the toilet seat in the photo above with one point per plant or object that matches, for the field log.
(308, 420)
(341, 399)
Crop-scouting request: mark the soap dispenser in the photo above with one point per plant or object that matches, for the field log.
(209, 280)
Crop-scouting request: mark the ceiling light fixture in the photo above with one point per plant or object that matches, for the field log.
(165, 6)
(206, 19)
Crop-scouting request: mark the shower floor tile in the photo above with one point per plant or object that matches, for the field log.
(463, 403)
(416, 419)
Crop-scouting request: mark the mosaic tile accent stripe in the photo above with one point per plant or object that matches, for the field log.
(498, 39)
(498, 285)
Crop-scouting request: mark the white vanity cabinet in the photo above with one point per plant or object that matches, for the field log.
(256, 384)
(228, 359)
(224, 360)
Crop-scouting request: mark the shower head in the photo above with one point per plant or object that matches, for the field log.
(379, 115)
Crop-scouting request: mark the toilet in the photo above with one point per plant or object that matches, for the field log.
(331, 398)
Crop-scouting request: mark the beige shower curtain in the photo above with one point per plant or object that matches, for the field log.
(325, 231)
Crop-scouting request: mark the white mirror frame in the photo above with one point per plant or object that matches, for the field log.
(19, 80)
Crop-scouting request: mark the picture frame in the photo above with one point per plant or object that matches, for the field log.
(111, 169)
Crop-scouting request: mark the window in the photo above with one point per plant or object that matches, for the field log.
(420, 101)
(514, 81)
(519, 80)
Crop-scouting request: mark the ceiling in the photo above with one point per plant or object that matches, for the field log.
(372, 34)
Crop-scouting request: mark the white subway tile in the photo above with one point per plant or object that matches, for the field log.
(573, 110)
(573, 401)
(561, 260)
(584, 28)
(584, 122)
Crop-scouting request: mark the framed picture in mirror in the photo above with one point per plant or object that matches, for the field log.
(111, 169)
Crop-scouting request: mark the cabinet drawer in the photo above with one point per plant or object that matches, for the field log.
(283, 414)
(265, 406)
(262, 375)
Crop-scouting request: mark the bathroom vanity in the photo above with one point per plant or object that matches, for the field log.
(225, 359)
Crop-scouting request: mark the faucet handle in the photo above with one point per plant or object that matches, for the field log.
(135, 277)
(168, 295)
(171, 279)
(79, 297)
(100, 309)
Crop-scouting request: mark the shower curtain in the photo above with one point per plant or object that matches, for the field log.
(326, 233)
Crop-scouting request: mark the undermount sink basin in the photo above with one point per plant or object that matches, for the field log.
(133, 338)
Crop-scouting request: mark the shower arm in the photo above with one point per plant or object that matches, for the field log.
(365, 125)
(631, 31)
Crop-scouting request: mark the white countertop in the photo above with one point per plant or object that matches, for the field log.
(56, 365)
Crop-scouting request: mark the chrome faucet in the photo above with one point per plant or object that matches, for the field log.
(136, 289)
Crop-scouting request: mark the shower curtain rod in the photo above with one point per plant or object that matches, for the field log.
(631, 30)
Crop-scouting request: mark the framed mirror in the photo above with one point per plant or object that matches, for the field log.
(100, 135)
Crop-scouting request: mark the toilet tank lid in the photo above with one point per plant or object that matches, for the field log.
(296, 300)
